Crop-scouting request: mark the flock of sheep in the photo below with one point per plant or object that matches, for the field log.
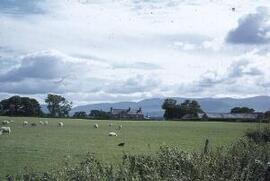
(111, 133)
(7, 130)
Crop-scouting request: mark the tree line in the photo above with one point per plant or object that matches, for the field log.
(191, 108)
(57, 106)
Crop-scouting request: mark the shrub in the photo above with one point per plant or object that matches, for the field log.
(259, 135)
(243, 161)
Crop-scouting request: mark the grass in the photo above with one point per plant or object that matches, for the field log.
(46, 147)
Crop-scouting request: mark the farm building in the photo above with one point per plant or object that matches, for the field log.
(224, 116)
(232, 116)
(126, 113)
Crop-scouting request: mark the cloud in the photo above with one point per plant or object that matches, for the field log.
(42, 65)
(246, 76)
(14, 7)
(48, 71)
(52, 71)
(136, 65)
(135, 84)
(252, 29)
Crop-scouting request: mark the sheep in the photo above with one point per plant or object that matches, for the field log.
(60, 124)
(41, 122)
(5, 122)
(110, 124)
(5, 130)
(96, 126)
(25, 123)
(46, 122)
(33, 124)
(112, 134)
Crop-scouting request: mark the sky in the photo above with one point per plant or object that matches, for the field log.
(92, 51)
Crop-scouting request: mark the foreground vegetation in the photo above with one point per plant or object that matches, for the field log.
(46, 147)
(245, 160)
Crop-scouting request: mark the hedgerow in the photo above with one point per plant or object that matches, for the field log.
(245, 160)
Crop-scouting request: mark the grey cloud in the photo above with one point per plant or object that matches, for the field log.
(14, 7)
(252, 29)
(241, 68)
(38, 66)
(137, 65)
(241, 77)
(30, 86)
(135, 84)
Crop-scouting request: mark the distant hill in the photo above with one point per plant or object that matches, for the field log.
(152, 107)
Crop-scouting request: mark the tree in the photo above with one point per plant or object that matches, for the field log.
(242, 110)
(177, 111)
(99, 114)
(20, 106)
(267, 115)
(169, 105)
(58, 106)
(80, 114)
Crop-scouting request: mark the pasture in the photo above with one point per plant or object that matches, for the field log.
(47, 147)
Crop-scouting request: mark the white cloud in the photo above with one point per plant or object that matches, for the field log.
(127, 50)
(252, 29)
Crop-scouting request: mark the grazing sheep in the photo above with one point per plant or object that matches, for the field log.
(25, 123)
(5, 122)
(46, 122)
(121, 144)
(41, 122)
(5, 130)
(112, 134)
(33, 124)
(60, 124)
(96, 126)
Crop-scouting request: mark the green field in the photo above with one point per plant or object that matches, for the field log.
(46, 147)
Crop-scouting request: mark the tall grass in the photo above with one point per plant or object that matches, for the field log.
(243, 161)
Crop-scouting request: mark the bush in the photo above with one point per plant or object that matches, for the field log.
(259, 135)
(243, 161)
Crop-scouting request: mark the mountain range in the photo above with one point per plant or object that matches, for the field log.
(152, 107)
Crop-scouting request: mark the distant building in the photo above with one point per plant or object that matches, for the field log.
(224, 116)
(126, 114)
(231, 116)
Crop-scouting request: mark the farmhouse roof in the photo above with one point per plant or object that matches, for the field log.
(232, 115)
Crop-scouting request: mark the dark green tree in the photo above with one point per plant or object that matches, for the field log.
(20, 106)
(80, 114)
(177, 111)
(99, 114)
(169, 105)
(242, 110)
(58, 106)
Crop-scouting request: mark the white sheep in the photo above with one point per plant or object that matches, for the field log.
(112, 134)
(46, 122)
(5, 130)
(41, 122)
(60, 124)
(96, 126)
(5, 122)
(25, 123)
